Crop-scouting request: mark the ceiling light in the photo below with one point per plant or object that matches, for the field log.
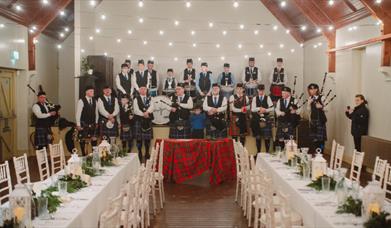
(141, 20)
(59, 46)
(152, 58)
(246, 56)
(222, 58)
(118, 40)
(129, 31)
(301, 45)
(330, 27)
(318, 30)
(140, 3)
(379, 22)
(261, 46)
(145, 42)
(18, 7)
(35, 41)
(91, 38)
(103, 17)
(2, 25)
(129, 56)
(161, 32)
(62, 13)
(319, 44)
(176, 23)
(378, 1)
(241, 26)
(236, 4)
(45, 2)
(275, 27)
(331, 2)
(224, 33)
(240, 46)
(192, 32)
(82, 50)
(170, 44)
(199, 59)
(105, 53)
(315, 46)
(217, 45)
(288, 31)
(283, 3)
(176, 59)
(292, 50)
(62, 34)
(66, 29)
(188, 4)
(92, 3)
(34, 27)
(194, 45)
(256, 32)
(210, 24)
(97, 30)
(281, 45)
(269, 53)
(303, 27)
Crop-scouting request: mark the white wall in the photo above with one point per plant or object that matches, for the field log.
(66, 89)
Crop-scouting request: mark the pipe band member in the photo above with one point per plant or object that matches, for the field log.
(262, 108)
(216, 105)
(288, 117)
(123, 81)
(180, 114)
(239, 104)
(43, 133)
(318, 119)
(204, 81)
(189, 78)
(360, 119)
(140, 77)
(87, 117)
(169, 83)
(227, 79)
(153, 79)
(278, 79)
(126, 123)
(143, 111)
(108, 110)
(251, 78)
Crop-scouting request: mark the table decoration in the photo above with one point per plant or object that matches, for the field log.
(317, 184)
(74, 184)
(373, 198)
(319, 165)
(341, 188)
(20, 203)
(290, 148)
(378, 220)
(350, 206)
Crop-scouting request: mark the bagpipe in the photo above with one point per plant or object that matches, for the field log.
(128, 116)
(53, 120)
(146, 122)
(181, 113)
(240, 103)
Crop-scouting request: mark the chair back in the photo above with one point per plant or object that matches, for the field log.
(22, 170)
(110, 219)
(332, 154)
(355, 170)
(160, 164)
(5, 180)
(387, 183)
(56, 159)
(43, 164)
(379, 169)
(339, 156)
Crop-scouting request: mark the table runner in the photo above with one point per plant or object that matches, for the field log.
(186, 159)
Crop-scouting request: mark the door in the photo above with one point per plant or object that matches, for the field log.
(7, 114)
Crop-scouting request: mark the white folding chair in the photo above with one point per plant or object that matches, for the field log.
(43, 164)
(110, 218)
(339, 156)
(62, 152)
(159, 177)
(5, 180)
(57, 160)
(22, 169)
(387, 183)
(379, 170)
(332, 154)
(355, 170)
(238, 169)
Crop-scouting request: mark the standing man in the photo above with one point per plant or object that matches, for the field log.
(318, 119)
(227, 79)
(278, 79)
(87, 117)
(261, 124)
(360, 118)
(125, 120)
(143, 111)
(180, 114)
(123, 81)
(189, 75)
(43, 132)
(108, 108)
(153, 79)
(169, 83)
(140, 78)
(288, 117)
(216, 105)
(204, 81)
(239, 104)
(251, 78)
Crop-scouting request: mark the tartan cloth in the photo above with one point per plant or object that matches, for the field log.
(318, 131)
(281, 135)
(186, 159)
(109, 132)
(185, 133)
(234, 130)
(126, 135)
(140, 134)
(42, 136)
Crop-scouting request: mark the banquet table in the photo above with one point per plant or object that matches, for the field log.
(185, 159)
(88, 203)
(318, 209)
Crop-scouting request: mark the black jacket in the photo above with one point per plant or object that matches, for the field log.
(360, 119)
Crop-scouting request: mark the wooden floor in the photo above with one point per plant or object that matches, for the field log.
(198, 204)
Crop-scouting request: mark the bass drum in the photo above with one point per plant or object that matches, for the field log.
(162, 111)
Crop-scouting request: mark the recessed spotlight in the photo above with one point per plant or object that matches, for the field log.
(62, 34)
(236, 4)
(318, 30)
(188, 4)
(62, 13)
(303, 27)
(275, 27)
(331, 2)
(320, 44)
(176, 59)
(18, 7)
(240, 46)
(222, 58)
(119, 40)
(194, 45)
(261, 46)
(256, 32)
(283, 3)
(161, 32)
(224, 33)
(282, 45)
(91, 38)
(199, 59)
(145, 42)
(152, 58)
(246, 56)
(140, 3)
(241, 26)
(35, 41)
(210, 24)
(103, 17)
(330, 27)
(82, 50)
(59, 46)
(45, 2)
(92, 3)
(192, 32)
(301, 45)
(97, 30)
(105, 53)
(34, 28)
(176, 23)
(141, 20)
(269, 53)
(217, 45)
(292, 50)
(315, 46)
(378, 1)
(170, 44)
(66, 29)
(2, 25)
(288, 31)
(129, 31)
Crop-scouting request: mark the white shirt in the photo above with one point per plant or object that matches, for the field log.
(79, 110)
(139, 112)
(119, 86)
(232, 106)
(278, 106)
(254, 107)
(251, 68)
(188, 105)
(38, 113)
(220, 109)
(285, 82)
(102, 110)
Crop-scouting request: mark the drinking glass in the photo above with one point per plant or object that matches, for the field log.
(43, 212)
(62, 188)
(294, 161)
(326, 183)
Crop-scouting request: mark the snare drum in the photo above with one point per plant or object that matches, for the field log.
(190, 90)
(168, 92)
(161, 111)
(251, 89)
(153, 92)
(227, 91)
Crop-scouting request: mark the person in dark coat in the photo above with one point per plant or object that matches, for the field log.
(360, 119)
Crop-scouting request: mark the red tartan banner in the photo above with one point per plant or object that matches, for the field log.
(186, 159)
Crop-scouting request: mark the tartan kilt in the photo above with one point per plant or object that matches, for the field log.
(126, 135)
(281, 135)
(43, 136)
(234, 130)
(175, 133)
(88, 132)
(113, 132)
(318, 131)
(140, 134)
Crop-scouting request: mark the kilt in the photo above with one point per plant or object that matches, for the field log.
(175, 133)
(109, 132)
(281, 134)
(43, 136)
(234, 130)
(88, 132)
(126, 135)
(318, 131)
(140, 134)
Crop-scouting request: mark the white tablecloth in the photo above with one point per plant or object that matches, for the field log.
(88, 203)
(316, 208)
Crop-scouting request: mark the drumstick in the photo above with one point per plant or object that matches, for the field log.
(324, 81)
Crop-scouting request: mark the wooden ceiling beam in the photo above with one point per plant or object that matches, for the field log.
(275, 9)
(382, 11)
(350, 5)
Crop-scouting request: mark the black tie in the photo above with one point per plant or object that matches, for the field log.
(284, 103)
(109, 100)
(90, 101)
(261, 99)
(145, 100)
(215, 101)
(180, 99)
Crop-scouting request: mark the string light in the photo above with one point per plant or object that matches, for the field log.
(330, 27)
(35, 41)
(170, 44)
(176, 23)
(269, 53)
(118, 40)
(292, 50)
(82, 50)
(62, 35)
(192, 32)
(288, 31)
(331, 2)
(176, 59)
(194, 45)
(140, 3)
(91, 38)
(301, 45)
(315, 46)
(378, 1)
(222, 58)
(261, 46)
(2, 25)
(320, 44)
(152, 58)
(129, 56)
(66, 29)
(281, 45)
(199, 59)
(145, 42)
(59, 46)
(217, 45)
(236, 4)
(105, 53)
(129, 31)
(188, 4)
(246, 56)
(240, 46)
(97, 30)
